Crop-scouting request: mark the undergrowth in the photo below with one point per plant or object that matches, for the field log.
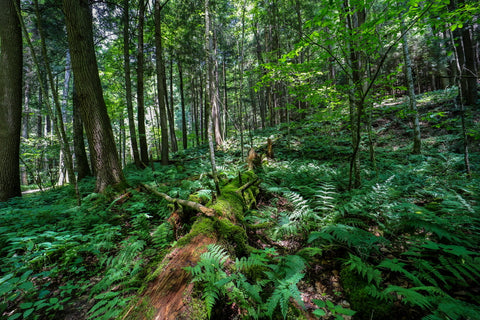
(404, 244)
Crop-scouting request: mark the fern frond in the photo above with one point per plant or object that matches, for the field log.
(396, 266)
(411, 296)
(162, 236)
(364, 269)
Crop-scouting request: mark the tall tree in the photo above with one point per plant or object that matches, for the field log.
(128, 83)
(160, 70)
(142, 135)
(182, 104)
(11, 60)
(211, 90)
(93, 110)
(417, 140)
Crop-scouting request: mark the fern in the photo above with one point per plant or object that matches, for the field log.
(366, 270)
(162, 236)
(396, 266)
(262, 270)
(357, 240)
(209, 272)
(284, 290)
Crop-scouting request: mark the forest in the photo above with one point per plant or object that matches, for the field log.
(239, 159)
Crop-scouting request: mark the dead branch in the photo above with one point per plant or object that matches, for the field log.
(186, 203)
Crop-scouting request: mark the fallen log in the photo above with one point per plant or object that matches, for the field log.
(169, 295)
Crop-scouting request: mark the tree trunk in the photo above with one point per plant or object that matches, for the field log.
(83, 169)
(142, 134)
(417, 139)
(169, 295)
(160, 68)
(211, 92)
(128, 84)
(171, 110)
(25, 129)
(11, 60)
(355, 17)
(182, 103)
(90, 95)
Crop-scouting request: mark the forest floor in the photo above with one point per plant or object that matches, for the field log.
(403, 246)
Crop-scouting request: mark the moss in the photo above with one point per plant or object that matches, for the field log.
(196, 309)
(234, 234)
(203, 225)
(366, 306)
(142, 310)
(232, 204)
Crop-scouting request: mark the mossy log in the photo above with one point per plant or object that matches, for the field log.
(169, 294)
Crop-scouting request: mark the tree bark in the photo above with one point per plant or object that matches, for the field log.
(93, 110)
(160, 69)
(182, 103)
(142, 134)
(171, 110)
(83, 169)
(211, 92)
(417, 139)
(128, 84)
(11, 60)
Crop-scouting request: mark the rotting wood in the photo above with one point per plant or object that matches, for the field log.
(166, 296)
(170, 295)
(186, 203)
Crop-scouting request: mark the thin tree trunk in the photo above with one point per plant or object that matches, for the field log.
(171, 110)
(211, 91)
(128, 84)
(160, 70)
(142, 134)
(25, 129)
(417, 139)
(58, 119)
(461, 99)
(225, 100)
(182, 103)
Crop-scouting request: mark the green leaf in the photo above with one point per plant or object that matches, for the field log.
(319, 312)
(53, 300)
(15, 316)
(28, 312)
(26, 305)
(26, 286)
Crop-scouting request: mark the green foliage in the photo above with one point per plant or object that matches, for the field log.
(335, 310)
(55, 253)
(260, 283)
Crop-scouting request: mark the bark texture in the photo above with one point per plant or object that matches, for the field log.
(83, 168)
(11, 59)
(160, 68)
(92, 106)
(128, 84)
(142, 135)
